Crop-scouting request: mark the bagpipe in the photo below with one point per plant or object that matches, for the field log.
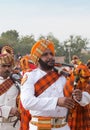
(16, 78)
(81, 80)
(61, 68)
(79, 75)
(81, 72)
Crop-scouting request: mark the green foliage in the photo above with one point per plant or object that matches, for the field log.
(76, 45)
(24, 44)
(10, 37)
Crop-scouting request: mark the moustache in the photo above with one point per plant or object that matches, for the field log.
(7, 72)
(51, 61)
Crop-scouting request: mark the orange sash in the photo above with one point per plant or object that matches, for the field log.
(42, 84)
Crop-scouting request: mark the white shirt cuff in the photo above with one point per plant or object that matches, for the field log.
(85, 99)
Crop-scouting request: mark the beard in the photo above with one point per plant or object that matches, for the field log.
(6, 74)
(49, 65)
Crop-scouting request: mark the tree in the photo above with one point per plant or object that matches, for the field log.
(25, 44)
(77, 43)
(10, 37)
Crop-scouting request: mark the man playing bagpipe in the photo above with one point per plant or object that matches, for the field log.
(79, 116)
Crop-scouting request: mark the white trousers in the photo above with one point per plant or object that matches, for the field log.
(66, 127)
(9, 126)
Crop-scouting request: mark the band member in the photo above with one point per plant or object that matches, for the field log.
(79, 81)
(26, 66)
(42, 90)
(8, 93)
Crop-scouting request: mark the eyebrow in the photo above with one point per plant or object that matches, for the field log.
(46, 53)
(6, 65)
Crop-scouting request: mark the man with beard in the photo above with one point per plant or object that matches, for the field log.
(42, 90)
(8, 94)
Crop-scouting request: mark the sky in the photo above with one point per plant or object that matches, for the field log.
(62, 18)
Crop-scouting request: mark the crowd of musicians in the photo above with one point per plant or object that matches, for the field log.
(36, 93)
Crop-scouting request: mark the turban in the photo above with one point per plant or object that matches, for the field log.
(26, 64)
(75, 57)
(38, 49)
(6, 56)
(6, 59)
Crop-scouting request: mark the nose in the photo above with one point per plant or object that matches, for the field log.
(49, 56)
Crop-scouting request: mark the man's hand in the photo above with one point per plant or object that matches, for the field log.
(15, 112)
(67, 102)
(77, 94)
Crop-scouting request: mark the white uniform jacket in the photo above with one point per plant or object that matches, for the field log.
(7, 100)
(46, 103)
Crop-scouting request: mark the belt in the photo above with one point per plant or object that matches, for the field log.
(10, 119)
(49, 122)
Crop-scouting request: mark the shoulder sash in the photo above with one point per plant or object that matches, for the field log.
(5, 86)
(46, 81)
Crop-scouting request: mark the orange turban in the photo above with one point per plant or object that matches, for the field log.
(39, 48)
(24, 62)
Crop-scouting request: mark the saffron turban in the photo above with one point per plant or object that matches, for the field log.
(39, 47)
(24, 62)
